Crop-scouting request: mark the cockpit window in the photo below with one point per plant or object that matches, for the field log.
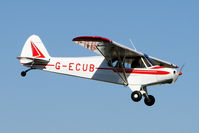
(146, 61)
(135, 62)
(153, 63)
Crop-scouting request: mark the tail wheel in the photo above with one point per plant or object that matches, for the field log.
(150, 100)
(136, 96)
(23, 74)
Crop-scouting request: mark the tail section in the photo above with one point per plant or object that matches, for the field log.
(34, 51)
(34, 48)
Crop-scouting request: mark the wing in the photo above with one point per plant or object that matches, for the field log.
(108, 48)
(112, 50)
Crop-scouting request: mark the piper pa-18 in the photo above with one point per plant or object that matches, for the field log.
(116, 64)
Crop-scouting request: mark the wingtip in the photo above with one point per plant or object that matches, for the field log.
(91, 38)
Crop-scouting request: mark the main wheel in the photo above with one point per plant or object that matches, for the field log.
(136, 96)
(23, 74)
(149, 101)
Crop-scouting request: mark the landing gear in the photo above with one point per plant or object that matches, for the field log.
(23, 73)
(136, 96)
(150, 100)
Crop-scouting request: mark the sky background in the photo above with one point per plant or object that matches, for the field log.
(44, 102)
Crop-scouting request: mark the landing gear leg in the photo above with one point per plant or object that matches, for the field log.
(23, 73)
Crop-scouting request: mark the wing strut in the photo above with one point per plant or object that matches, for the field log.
(125, 81)
(123, 69)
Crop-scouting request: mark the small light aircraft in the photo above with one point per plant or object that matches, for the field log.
(116, 64)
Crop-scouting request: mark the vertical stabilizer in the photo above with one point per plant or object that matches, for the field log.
(34, 48)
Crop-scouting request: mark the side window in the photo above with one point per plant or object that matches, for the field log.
(127, 65)
(130, 63)
(116, 64)
(137, 63)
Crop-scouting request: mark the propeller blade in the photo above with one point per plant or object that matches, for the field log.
(181, 69)
(179, 72)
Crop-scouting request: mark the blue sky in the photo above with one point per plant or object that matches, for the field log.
(47, 102)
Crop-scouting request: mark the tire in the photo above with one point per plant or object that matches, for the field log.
(136, 96)
(23, 74)
(150, 101)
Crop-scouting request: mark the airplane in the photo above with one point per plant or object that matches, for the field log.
(116, 64)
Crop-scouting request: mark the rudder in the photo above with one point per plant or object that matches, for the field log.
(34, 48)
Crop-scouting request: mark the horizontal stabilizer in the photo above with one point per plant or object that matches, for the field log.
(27, 60)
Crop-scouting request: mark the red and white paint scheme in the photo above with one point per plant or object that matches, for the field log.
(116, 64)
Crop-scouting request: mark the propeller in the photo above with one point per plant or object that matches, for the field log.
(179, 73)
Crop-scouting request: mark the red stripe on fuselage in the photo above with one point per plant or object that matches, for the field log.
(136, 71)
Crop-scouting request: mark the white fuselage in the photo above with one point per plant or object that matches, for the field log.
(96, 68)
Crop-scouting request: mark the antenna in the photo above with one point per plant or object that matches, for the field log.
(132, 44)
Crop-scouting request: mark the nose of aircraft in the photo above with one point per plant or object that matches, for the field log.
(180, 73)
(176, 75)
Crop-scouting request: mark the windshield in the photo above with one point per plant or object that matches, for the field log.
(153, 63)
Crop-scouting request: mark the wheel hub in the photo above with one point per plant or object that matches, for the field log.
(136, 96)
